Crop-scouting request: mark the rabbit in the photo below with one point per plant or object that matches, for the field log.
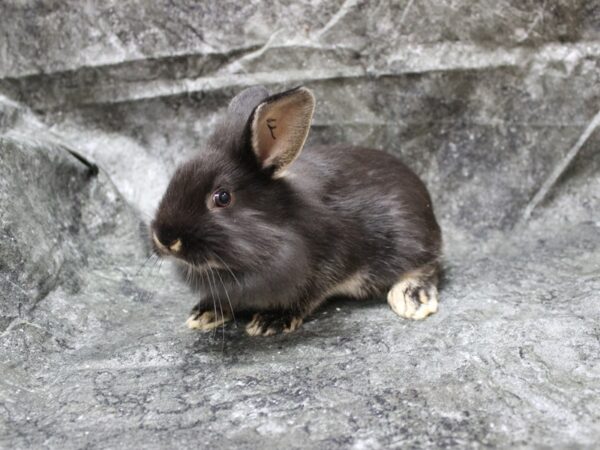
(257, 225)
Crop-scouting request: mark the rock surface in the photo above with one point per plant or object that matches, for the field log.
(496, 105)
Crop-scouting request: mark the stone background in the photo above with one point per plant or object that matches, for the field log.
(496, 104)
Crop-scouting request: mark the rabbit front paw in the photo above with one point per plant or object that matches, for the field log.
(268, 324)
(206, 320)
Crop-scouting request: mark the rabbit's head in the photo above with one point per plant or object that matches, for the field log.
(230, 206)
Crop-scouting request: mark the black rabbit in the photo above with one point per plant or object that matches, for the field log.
(255, 225)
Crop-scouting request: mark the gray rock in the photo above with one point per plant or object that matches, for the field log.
(495, 104)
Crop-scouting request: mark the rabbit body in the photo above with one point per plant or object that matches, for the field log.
(260, 228)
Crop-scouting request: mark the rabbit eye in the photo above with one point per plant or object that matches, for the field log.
(222, 198)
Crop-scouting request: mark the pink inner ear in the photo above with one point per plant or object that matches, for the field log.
(273, 134)
(280, 128)
(267, 126)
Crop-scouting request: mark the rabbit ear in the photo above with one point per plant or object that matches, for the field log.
(241, 106)
(280, 126)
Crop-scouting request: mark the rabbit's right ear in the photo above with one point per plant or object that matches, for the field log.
(280, 127)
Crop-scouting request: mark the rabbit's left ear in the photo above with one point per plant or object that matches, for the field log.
(280, 126)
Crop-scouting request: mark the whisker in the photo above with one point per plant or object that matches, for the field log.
(142, 266)
(188, 273)
(212, 294)
(137, 273)
(219, 299)
(228, 299)
(154, 264)
(229, 269)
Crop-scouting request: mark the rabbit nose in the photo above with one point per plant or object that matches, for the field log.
(174, 244)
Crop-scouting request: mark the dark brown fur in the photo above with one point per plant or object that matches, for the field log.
(284, 243)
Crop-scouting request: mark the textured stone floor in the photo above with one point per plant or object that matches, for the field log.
(496, 105)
